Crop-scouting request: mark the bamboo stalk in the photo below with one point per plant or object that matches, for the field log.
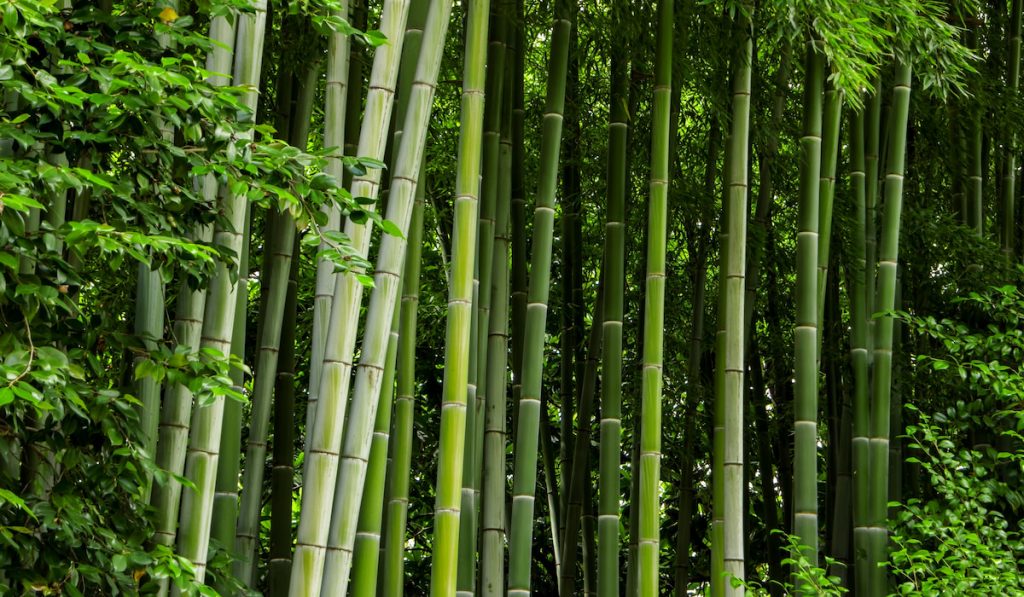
(525, 470)
(648, 539)
(218, 323)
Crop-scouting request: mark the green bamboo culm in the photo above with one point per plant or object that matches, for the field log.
(885, 300)
(858, 337)
(317, 525)
(276, 274)
(648, 540)
(733, 484)
(492, 508)
(335, 115)
(225, 497)
(479, 357)
(1010, 224)
(279, 247)
(832, 115)
(176, 410)
(391, 580)
(805, 408)
(283, 472)
(448, 564)
(369, 378)
(609, 474)
(366, 549)
(218, 323)
(524, 481)
(497, 167)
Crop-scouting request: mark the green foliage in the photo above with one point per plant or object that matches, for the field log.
(100, 123)
(963, 536)
(806, 575)
(957, 542)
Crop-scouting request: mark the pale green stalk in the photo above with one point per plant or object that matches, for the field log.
(320, 470)
(390, 259)
(335, 108)
(218, 322)
(274, 282)
(176, 410)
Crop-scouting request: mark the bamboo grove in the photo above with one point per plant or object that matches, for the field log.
(507, 297)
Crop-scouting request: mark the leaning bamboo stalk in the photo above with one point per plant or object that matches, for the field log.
(352, 469)
(218, 322)
(366, 549)
(528, 422)
(397, 509)
(225, 497)
(320, 470)
(279, 247)
(335, 108)
(398, 501)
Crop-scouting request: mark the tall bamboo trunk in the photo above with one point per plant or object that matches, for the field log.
(455, 409)
(218, 323)
(528, 422)
(734, 267)
(648, 538)
(493, 511)
(888, 254)
(320, 470)
(176, 410)
(283, 472)
(805, 407)
(610, 452)
(335, 114)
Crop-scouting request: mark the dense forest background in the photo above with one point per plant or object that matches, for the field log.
(317, 297)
